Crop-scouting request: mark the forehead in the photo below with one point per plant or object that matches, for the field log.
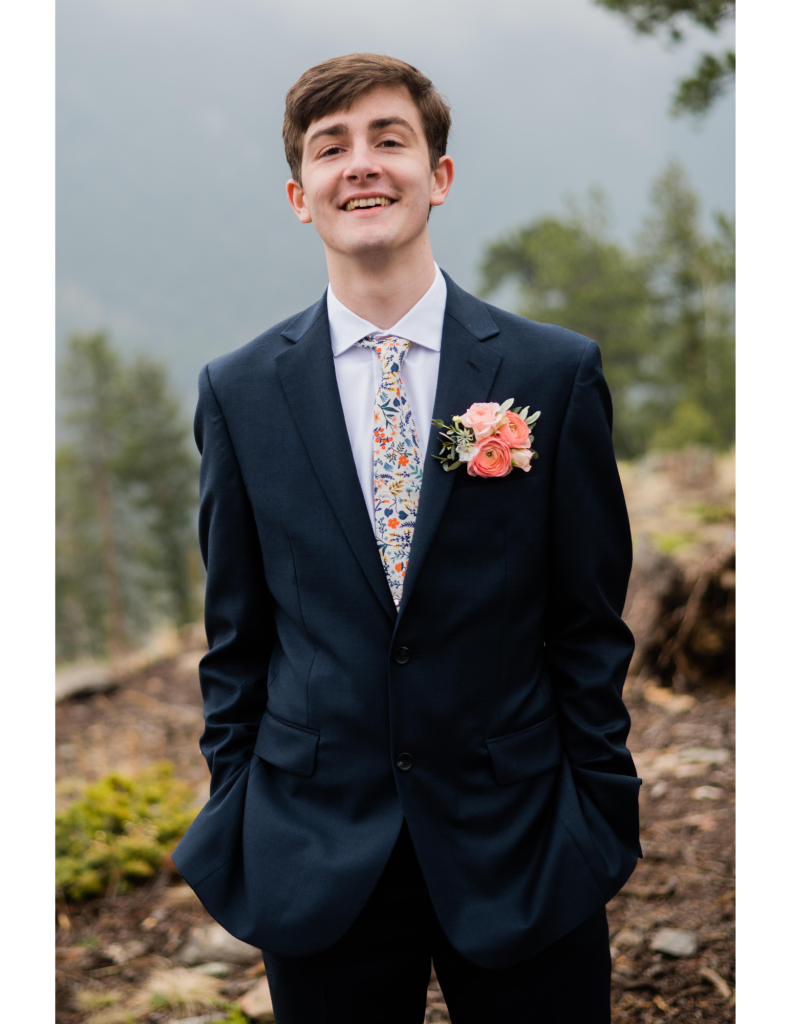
(379, 102)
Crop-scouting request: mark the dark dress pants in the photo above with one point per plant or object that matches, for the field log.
(378, 972)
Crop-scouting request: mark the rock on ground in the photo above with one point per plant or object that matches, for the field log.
(674, 942)
(213, 969)
(257, 1003)
(213, 943)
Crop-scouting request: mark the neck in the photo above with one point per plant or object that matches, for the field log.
(382, 287)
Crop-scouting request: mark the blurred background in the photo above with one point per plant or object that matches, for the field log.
(593, 142)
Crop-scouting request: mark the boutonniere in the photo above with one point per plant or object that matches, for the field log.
(490, 438)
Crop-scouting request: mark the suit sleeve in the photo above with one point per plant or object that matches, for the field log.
(238, 607)
(588, 645)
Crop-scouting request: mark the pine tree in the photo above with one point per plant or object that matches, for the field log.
(80, 594)
(156, 467)
(692, 283)
(127, 490)
(90, 383)
(661, 313)
(569, 272)
(714, 75)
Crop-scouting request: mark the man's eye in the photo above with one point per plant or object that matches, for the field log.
(390, 142)
(331, 151)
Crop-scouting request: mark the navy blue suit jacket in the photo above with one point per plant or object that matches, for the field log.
(501, 674)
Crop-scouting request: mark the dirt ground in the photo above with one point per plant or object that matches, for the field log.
(683, 745)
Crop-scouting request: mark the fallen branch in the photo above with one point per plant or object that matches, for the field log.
(629, 983)
(717, 981)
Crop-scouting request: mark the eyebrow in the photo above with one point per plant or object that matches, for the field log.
(385, 122)
(333, 130)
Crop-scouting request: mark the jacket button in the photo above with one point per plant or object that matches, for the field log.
(401, 655)
(404, 762)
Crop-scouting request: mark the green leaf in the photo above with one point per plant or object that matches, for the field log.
(523, 413)
(506, 405)
(454, 466)
(532, 419)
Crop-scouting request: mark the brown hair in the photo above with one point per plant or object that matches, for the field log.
(338, 83)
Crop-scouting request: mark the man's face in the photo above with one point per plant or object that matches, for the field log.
(367, 182)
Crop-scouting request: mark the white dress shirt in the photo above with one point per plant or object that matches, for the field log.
(359, 373)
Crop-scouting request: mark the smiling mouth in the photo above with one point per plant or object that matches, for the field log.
(357, 204)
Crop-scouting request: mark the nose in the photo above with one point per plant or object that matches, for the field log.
(363, 164)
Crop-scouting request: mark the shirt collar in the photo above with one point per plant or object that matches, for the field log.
(422, 325)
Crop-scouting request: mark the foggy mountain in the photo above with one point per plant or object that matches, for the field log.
(173, 230)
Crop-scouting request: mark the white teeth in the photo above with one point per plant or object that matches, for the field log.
(353, 204)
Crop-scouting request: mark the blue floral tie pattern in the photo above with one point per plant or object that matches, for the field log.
(398, 472)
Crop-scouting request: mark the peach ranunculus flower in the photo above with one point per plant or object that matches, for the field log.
(515, 432)
(520, 457)
(482, 418)
(493, 458)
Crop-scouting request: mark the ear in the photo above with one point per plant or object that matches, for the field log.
(296, 196)
(441, 180)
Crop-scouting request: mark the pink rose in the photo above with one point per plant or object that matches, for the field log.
(493, 459)
(521, 457)
(482, 418)
(515, 432)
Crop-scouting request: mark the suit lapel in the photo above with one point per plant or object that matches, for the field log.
(307, 374)
(466, 374)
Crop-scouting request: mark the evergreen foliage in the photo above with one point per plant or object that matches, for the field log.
(713, 75)
(662, 314)
(117, 834)
(127, 492)
(570, 273)
(712, 78)
(692, 282)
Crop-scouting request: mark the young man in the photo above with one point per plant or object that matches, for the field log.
(412, 694)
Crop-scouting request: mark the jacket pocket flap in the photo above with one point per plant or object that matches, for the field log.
(291, 747)
(520, 755)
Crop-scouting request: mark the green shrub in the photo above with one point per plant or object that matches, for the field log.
(689, 424)
(117, 834)
(235, 1016)
(713, 513)
(668, 543)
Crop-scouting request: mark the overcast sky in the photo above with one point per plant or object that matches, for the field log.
(173, 227)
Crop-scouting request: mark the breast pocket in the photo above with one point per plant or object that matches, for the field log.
(493, 483)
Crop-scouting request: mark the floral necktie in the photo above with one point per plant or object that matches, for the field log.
(398, 472)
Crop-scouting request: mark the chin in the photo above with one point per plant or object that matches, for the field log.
(370, 242)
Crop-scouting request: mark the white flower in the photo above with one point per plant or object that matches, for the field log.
(466, 448)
